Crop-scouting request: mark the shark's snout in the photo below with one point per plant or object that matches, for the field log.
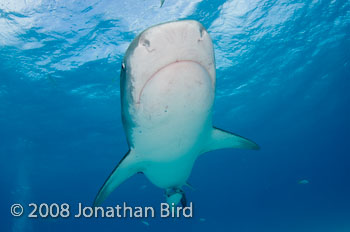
(184, 33)
(165, 44)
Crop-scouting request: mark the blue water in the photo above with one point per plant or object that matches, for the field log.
(283, 80)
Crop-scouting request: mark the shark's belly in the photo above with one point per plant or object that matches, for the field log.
(173, 114)
(172, 174)
(174, 110)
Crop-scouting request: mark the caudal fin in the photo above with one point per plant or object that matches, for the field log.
(126, 168)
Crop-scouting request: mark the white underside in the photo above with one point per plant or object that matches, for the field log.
(173, 122)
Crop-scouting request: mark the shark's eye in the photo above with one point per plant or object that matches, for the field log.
(123, 66)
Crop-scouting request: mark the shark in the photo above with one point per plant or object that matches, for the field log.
(167, 86)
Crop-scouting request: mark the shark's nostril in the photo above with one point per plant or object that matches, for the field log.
(201, 33)
(145, 43)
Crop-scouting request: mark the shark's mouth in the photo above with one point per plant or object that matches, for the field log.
(167, 66)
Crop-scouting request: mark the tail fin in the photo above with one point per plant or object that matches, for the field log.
(175, 196)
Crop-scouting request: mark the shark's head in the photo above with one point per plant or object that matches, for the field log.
(159, 47)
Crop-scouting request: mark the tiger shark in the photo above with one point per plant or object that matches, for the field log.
(167, 87)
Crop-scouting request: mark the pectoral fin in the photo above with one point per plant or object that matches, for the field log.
(221, 139)
(126, 168)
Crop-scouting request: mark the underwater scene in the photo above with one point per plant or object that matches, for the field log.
(164, 115)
